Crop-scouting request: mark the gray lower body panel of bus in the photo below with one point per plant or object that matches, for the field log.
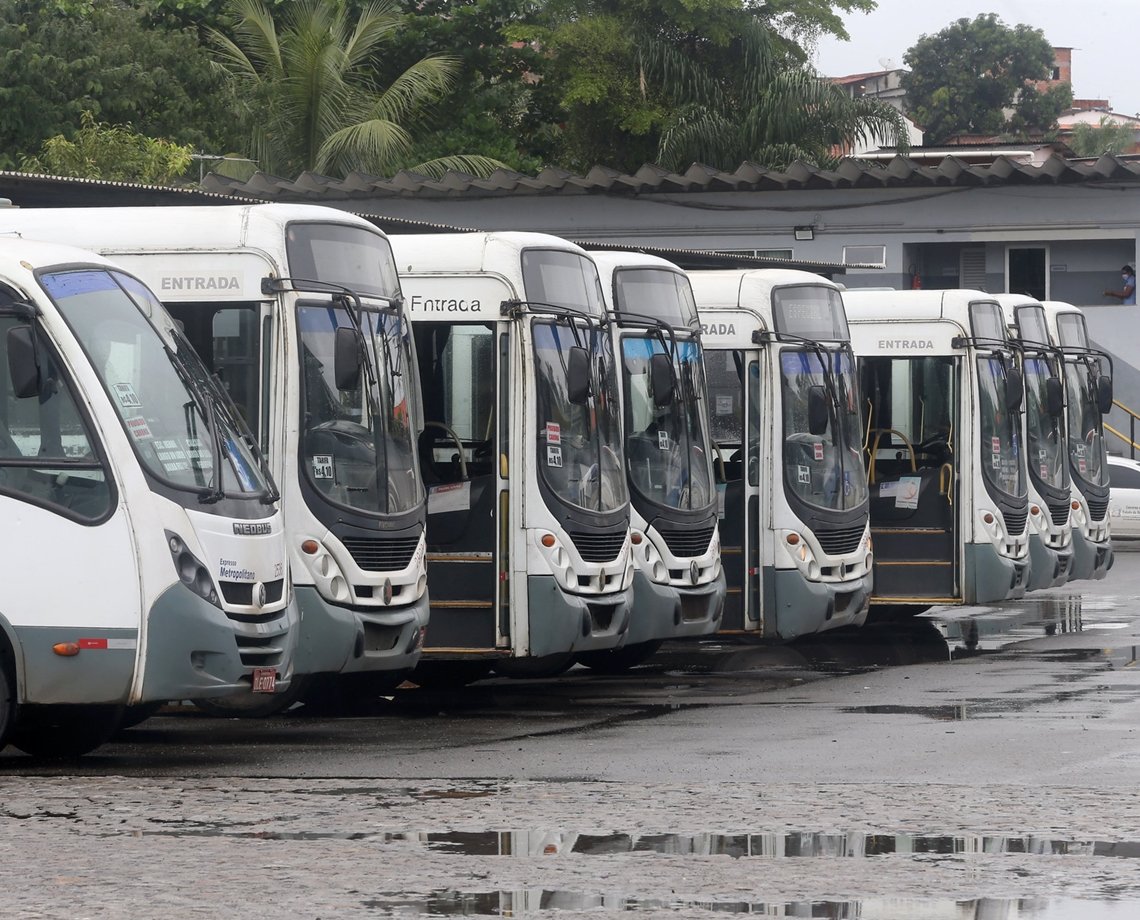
(996, 577)
(194, 651)
(101, 672)
(1048, 568)
(799, 607)
(346, 640)
(1091, 561)
(561, 622)
(665, 612)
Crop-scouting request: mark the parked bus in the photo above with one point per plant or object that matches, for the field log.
(942, 396)
(1045, 435)
(1088, 398)
(786, 431)
(678, 582)
(146, 559)
(297, 310)
(529, 555)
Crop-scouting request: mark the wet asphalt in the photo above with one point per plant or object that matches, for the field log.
(970, 763)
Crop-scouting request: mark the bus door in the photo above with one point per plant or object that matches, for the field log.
(733, 380)
(911, 417)
(464, 371)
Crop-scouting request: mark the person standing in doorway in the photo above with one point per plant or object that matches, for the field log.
(1128, 294)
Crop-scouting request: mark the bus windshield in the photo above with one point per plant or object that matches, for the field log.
(665, 445)
(1001, 453)
(1087, 451)
(824, 469)
(162, 392)
(358, 445)
(578, 445)
(1045, 433)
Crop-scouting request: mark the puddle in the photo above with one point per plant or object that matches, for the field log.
(535, 900)
(794, 845)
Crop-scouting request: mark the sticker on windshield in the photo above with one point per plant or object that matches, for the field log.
(553, 433)
(554, 456)
(817, 450)
(454, 496)
(887, 489)
(907, 494)
(724, 405)
(172, 457)
(323, 466)
(995, 461)
(125, 394)
(1082, 465)
(663, 441)
(995, 445)
(721, 494)
(138, 428)
(1044, 470)
(803, 475)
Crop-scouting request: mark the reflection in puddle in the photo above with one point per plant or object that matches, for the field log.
(736, 846)
(526, 901)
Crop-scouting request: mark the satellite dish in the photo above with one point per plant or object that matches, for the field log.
(886, 63)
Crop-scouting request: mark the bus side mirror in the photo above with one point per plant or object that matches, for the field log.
(1104, 394)
(661, 379)
(1014, 389)
(577, 375)
(346, 358)
(23, 365)
(1054, 396)
(817, 410)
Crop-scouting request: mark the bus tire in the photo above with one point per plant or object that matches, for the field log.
(64, 732)
(139, 713)
(619, 660)
(247, 705)
(7, 697)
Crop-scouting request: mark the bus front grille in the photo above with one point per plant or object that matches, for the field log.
(1015, 521)
(598, 547)
(686, 543)
(381, 554)
(842, 541)
(1098, 508)
(1059, 513)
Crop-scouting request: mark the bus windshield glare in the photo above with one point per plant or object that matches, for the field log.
(823, 469)
(578, 445)
(358, 445)
(668, 462)
(1087, 451)
(1001, 460)
(157, 383)
(1045, 434)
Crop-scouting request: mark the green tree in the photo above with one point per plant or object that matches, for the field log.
(1104, 137)
(309, 97)
(116, 152)
(100, 56)
(975, 77)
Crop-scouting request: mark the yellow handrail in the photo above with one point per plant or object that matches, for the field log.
(1120, 434)
(879, 432)
(1119, 405)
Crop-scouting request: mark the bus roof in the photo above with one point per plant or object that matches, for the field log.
(748, 288)
(884, 306)
(465, 253)
(20, 256)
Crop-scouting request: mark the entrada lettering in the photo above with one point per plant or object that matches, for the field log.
(200, 283)
(445, 304)
(912, 344)
(718, 328)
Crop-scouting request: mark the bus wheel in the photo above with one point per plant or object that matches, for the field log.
(7, 698)
(447, 675)
(619, 660)
(64, 732)
(543, 666)
(248, 705)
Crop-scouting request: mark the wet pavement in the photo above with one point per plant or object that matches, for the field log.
(971, 763)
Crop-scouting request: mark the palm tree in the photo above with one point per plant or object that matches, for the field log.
(309, 98)
(756, 104)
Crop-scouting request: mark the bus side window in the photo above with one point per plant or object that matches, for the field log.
(67, 475)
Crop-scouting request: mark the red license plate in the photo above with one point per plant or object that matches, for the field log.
(264, 680)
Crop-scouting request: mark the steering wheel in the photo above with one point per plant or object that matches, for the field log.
(878, 433)
(454, 438)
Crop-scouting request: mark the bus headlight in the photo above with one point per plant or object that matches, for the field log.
(191, 572)
(650, 561)
(802, 555)
(327, 575)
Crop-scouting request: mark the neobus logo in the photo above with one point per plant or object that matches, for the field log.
(252, 530)
(718, 328)
(200, 283)
(906, 344)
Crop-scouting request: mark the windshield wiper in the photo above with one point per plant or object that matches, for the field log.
(215, 492)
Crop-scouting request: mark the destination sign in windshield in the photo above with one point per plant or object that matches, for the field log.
(810, 311)
(660, 293)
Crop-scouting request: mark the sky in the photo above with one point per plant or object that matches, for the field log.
(1104, 36)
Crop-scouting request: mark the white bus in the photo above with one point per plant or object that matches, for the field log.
(942, 394)
(296, 309)
(528, 512)
(146, 559)
(784, 413)
(678, 582)
(1088, 398)
(1045, 435)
